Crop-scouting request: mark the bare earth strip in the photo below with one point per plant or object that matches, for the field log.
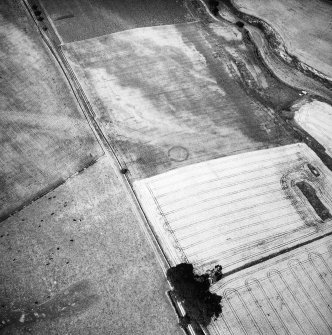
(81, 19)
(77, 262)
(237, 210)
(44, 136)
(165, 100)
(289, 294)
(304, 25)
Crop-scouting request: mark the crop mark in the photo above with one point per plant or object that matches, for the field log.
(63, 17)
(178, 154)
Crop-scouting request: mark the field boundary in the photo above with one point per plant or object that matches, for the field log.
(48, 189)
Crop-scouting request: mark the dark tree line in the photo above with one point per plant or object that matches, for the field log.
(193, 291)
(213, 6)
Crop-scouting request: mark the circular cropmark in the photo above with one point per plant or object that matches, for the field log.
(178, 154)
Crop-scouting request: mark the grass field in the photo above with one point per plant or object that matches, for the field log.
(77, 262)
(289, 294)
(237, 210)
(165, 98)
(78, 20)
(44, 136)
(304, 25)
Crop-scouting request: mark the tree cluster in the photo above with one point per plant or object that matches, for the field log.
(193, 291)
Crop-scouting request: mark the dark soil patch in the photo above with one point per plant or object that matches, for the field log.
(311, 195)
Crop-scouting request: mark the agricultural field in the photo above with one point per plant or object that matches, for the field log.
(289, 294)
(304, 25)
(202, 116)
(315, 117)
(240, 209)
(77, 262)
(44, 136)
(78, 20)
(166, 98)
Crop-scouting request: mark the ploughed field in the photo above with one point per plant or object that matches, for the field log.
(78, 20)
(44, 136)
(166, 98)
(240, 209)
(289, 294)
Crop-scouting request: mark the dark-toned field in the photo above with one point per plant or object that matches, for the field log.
(77, 20)
(44, 136)
(166, 97)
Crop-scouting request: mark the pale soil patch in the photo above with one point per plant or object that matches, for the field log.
(315, 117)
(235, 210)
(44, 136)
(157, 88)
(228, 32)
(289, 294)
(304, 25)
(79, 252)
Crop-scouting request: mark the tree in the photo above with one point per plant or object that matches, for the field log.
(193, 291)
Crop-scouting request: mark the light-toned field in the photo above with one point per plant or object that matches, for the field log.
(236, 210)
(44, 136)
(77, 262)
(315, 118)
(81, 19)
(289, 294)
(165, 99)
(304, 25)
